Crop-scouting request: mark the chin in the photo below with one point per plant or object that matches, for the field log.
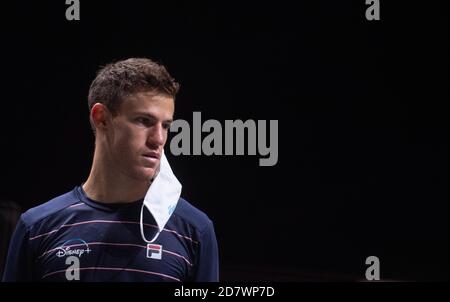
(148, 173)
(143, 173)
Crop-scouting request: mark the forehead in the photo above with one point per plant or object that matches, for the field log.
(157, 104)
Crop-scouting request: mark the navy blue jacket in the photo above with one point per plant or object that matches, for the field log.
(73, 237)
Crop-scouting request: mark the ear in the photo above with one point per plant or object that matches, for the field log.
(100, 116)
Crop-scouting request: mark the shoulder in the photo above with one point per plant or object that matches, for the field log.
(192, 216)
(50, 208)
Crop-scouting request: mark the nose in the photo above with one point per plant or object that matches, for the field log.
(157, 136)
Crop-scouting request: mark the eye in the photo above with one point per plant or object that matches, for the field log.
(144, 121)
(166, 126)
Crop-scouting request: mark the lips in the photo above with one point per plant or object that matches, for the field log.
(152, 154)
(151, 159)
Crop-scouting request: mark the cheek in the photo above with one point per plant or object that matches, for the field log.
(129, 140)
(138, 140)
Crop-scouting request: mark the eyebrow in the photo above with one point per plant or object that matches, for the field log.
(152, 116)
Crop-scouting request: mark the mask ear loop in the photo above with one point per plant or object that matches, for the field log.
(142, 228)
(141, 224)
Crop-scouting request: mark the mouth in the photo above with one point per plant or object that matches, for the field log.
(151, 158)
(152, 154)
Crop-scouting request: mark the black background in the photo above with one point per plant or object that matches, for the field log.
(362, 109)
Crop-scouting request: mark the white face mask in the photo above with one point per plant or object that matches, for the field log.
(161, 198)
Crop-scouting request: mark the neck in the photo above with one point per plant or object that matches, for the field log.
(107, 185)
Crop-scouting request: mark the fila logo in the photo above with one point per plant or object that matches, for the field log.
(154, 251)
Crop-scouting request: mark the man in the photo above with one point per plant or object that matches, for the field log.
(127, 222)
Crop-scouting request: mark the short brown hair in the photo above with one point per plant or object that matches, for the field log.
(115, 81)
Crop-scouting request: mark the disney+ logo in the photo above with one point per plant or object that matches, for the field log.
(73, 249)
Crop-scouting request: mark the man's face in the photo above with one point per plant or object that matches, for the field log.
(138, 134)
